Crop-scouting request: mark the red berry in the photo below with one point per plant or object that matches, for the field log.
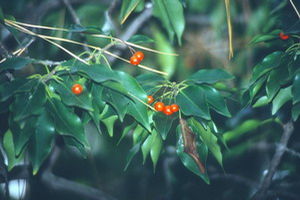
(77, 89)
(159, 106)
(283, 36)
(150, 99)
(139, 55)
(174, 107)
(134, 60)
(168, 110)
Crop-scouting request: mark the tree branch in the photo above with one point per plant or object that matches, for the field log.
(133, 28)
(265, 184)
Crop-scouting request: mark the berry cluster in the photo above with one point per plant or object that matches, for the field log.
(137, 58)
(161, 107)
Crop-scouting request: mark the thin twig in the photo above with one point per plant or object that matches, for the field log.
(296, 10)
(266, 182)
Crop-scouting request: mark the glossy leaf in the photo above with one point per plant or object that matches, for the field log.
(74, 144)
(126, 131)
(97, 72)
(146, 147)
(208, 138)
(270, 62)
(276, 78)
(140, 39)
(67, 122)
(192, 101)
(262, 101)
(156, 148)
(15, 63)
(22, 133)
(281, 98)
(296, 111)
(210, 76)
(172, 17)
(163, 124)
(132, 152)
(139, 134)
(296, 88)
(9, 147)
(8, 89)
(118, 101)
(216, 101)
(30, 103)
(41, 141)
(109, 123)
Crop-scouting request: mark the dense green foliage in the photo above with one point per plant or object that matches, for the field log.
(40, 111)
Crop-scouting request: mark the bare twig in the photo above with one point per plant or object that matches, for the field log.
(133, 28)
(296, 10)
(266, 182)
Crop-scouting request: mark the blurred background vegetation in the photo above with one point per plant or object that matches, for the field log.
(204, 45)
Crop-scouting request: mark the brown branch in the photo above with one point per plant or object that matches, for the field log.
(266, 182)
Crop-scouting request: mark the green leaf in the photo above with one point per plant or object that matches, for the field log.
(22, 133)
(140, 39)
(9, 147)
(109, 123)
(118, 101)
(187, 160)
(263, 38)
(262, 101)
(192, 101)
(257, 86)
(163, 124)
(146, 147)
(170, 12)
(139, 134)
(74, 144)
(84, 100)
(14, 63)
(208, 138)
(31, 103)
(296, 111)
(126, 130)
(149, 82)
(8, 89)
(210, 76)
(131, 85)
(127, 7)
(97, 72)
(97, 93)
(296, 88)
(276, 78)
(156, 147)
(132, 152)
(216, 101)
(239, 131)
(166, 62)
(281, 98)
(66, 121)
(270, 62)
(42, 141)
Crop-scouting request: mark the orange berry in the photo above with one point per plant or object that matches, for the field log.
(150, 99)
(134, 60)
(283, 36)
(139, 55)
(77, 89)
(174, 108)
(159, 106)
(168, 110)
